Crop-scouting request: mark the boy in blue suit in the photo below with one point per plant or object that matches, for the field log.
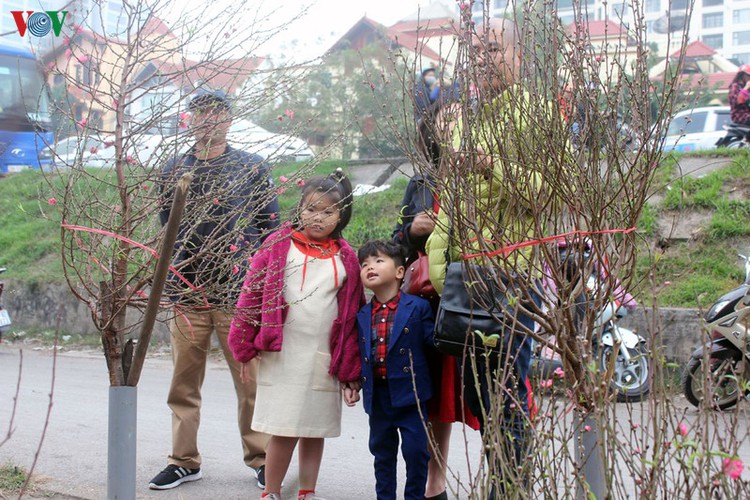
(395, 331)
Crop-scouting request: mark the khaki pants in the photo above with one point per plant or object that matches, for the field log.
(191, 340)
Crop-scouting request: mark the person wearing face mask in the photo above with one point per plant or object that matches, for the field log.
(426, 92)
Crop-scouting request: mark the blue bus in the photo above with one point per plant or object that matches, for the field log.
(25, 120)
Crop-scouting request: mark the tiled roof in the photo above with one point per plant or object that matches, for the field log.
(401, 39)
(596, 29)
(696, 49)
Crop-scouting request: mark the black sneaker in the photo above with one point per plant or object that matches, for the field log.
(260, 474)
(173, 476)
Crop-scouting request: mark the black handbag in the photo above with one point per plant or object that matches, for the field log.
(473, 314)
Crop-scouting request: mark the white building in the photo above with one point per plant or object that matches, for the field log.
(723, 25)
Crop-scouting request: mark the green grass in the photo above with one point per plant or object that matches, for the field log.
(29, 229)
(697, 272)
(30, 225)
(691, 274)
(12, 478)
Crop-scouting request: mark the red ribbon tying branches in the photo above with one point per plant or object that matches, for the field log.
(528, 243)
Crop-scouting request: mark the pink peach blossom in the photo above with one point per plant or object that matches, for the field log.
(233, 248)
(559, 372)
(300, 183)
(283, 178)
(289, 114)
(93, 150)
(545, 384)
(216, 201)
(52, 201)
(683, 428)
(733, 467)
(235, 270)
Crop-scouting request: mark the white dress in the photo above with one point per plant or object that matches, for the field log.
(296, 397)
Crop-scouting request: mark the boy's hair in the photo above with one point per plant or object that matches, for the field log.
(336, 185)
(373, 248)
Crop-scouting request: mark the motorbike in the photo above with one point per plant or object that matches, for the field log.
(737, 136)
(726, 354)
(4, 316)
(632, 368)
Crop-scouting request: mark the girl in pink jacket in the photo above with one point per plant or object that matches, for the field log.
(297, 315)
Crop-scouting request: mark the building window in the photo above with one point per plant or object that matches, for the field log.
(741, 16)
(713, 20)
(653, 5)
(618, 10)
(742, 58)
(677, 5)
(714, 41)
(741, 38)
(711, 3)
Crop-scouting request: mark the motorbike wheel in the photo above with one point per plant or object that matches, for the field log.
(630, 380)
(735, 143)
(724, 370)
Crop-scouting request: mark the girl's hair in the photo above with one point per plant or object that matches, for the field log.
(336, 185)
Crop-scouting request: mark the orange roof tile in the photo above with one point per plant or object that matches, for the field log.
(596, 29)
(696, 49)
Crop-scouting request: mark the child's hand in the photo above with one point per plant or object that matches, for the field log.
(351, 396)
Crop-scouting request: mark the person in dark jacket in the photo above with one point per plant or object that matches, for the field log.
(416, 221)
(231, 207)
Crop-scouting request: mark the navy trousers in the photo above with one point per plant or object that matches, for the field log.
(386, 423)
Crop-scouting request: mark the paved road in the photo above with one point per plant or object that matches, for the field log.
(73, 459)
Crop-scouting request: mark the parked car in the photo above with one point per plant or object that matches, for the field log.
(696, 129)
(90, 151)
(272, 147)
(99, 152)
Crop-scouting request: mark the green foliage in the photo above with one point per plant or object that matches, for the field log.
(355, 100)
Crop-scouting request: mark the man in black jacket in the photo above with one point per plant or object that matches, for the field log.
(231, 208)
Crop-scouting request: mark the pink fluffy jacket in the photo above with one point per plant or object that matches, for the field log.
(258, 323)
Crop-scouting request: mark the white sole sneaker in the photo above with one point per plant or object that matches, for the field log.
(175, 484)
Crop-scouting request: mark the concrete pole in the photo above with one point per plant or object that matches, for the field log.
(589, 446)
(123, 406)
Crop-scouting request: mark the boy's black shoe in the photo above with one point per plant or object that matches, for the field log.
(173, 476)
(260, 473)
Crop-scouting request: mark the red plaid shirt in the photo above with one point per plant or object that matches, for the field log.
(383, 316)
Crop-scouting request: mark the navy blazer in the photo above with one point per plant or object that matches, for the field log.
(412, 333)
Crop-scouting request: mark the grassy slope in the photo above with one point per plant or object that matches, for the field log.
(30, 228)
(687, 273)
